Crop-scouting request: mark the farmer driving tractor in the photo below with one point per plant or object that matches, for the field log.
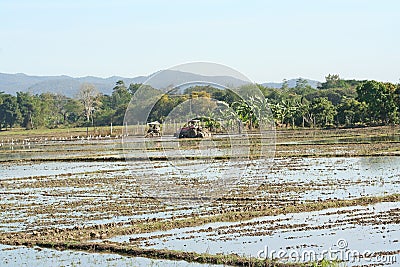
(154, 129)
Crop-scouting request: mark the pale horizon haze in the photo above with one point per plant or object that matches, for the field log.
(264, 40)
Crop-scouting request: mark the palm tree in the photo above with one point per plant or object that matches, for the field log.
(286, 109)
(253, 112)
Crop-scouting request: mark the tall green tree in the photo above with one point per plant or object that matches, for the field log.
(133, 87)
(72, 111)
(351, 111)
(104, 115)
(380, 100)
(285, 84)
(9, 112)
(301, 83)
(120, 94)
(323, 111)
(120, 100)
(48, 115)
(333, 81)
(27, 106)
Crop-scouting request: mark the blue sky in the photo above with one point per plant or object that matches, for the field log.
(265, 40)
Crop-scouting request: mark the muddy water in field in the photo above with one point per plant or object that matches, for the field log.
(369, 139)
(22, 256)
(59, 149)
(373, 228)
(39, 195)
(337, 177)
(29, 169)
(62, 194)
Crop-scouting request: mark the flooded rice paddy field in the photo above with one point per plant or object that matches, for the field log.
(37, 195)
(338, 142)
(315, 192)
(339, 229)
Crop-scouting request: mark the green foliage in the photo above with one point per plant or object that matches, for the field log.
(133, 87)
(333, 81)
(224, 95)
(351, 112)
(323, 111)
(252, 111)
(120, 99)
(245, 113)
(9, 112)
(285, 84)
(301, 83)
(27, 107)
(71, 111)
(164, 106)
(336, 101)
(380, 99)
(120, 95)
(286, 111)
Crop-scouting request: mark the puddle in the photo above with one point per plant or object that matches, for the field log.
(34, 169)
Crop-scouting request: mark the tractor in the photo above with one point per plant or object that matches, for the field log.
(193, 129)
(154, 129)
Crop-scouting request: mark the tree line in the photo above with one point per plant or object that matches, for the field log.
(336, 102)
(49, 110)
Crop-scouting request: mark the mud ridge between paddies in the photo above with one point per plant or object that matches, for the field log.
(229, 260)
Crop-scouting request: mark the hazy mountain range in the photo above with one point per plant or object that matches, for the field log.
(12, 83)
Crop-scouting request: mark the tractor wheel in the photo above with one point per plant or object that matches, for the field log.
(192, 133)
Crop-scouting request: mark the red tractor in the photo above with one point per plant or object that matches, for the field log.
(193, 129)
